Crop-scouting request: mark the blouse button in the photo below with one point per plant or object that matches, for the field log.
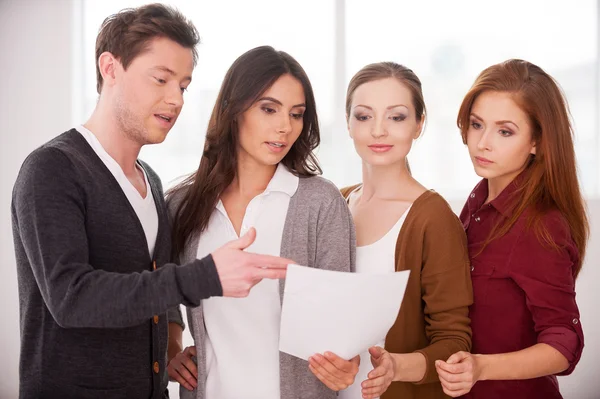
(575, 321)
(472, 195)
(472, 268)
(477, 219)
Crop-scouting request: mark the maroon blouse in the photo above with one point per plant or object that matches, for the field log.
(524, 291)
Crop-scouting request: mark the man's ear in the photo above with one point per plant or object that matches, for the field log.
(108, 64)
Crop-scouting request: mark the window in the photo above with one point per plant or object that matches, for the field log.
(446, 43)
(227, 29)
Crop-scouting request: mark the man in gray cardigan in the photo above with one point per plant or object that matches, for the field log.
(95, 281)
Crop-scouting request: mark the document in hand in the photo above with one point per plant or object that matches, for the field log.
(343, 313)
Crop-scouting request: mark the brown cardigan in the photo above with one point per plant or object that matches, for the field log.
(433, 319)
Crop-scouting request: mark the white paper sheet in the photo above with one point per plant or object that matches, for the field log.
(343, 313)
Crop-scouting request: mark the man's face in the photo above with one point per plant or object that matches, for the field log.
(148, 96)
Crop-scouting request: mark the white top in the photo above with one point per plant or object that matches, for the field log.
(242, 334)
(145, 208)
(378, 257)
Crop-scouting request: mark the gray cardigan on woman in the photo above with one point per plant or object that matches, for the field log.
(318, 232)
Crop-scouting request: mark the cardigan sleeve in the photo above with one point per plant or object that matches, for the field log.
(336, 239)
(446, 287)
(173, 201)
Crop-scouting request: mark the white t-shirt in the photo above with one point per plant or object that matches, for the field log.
(145, 208)
(242, 334)
(378, 257)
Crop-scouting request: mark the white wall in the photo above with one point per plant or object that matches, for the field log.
(35, 105)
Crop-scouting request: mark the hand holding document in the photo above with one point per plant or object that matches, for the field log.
(343, 313)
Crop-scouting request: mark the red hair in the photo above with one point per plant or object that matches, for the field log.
(550, 178)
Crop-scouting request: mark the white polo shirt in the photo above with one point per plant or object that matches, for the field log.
(242, 334)
(144, 208)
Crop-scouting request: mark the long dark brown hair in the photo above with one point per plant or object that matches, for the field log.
(550, 181)
(247, 79)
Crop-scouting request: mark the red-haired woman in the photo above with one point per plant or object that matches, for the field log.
(527, 230)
